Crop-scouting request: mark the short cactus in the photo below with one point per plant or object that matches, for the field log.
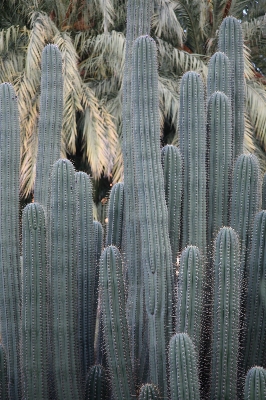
(255, 384)
(96, 384)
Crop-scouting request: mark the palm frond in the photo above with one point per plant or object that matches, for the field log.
(108, 13)
(256, 104)
(252, 145)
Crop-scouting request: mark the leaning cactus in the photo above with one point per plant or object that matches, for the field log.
(50, 123)
(115, 216)
(63, 282)
(115, 324)
(184, 381)
(10, 283)
(226, 312)
(156, 253)
(189, 294)
(34, 304)
(172, 170)
(255, 384)
(231, 43)
(149, 392)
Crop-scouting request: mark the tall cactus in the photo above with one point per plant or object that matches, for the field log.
(184, 381)
(172, 169)
(156, 253)
(189, 294)
(255, 336)
(10, 285)
(115, 216)
(220, 159)
(245, 201)
(34, 304)
(193, 149)
(219, 75)
(50, 123)
(115, 324)
(231, 43)
(63, 281)
(226, 312)
(255, 384)
(86, 269)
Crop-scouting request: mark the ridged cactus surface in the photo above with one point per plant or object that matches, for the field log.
(219, 75)
(184, 381)
(115, 216)
(34, 304)
(10, 274)
(156, 253)
(255, 384)
(50, 122)
(226, 312)
(96, 384)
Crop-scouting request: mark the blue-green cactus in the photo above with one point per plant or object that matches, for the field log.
(50, 122)
(219, 75)
(3, 374)
(184, 381)
(263, 199)
(10, 274)
(115, 216)
(226, 312)
(96, 384)
(34, 304)
(255, 384)
(115, 324)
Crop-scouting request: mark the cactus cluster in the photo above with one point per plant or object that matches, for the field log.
(173, 307)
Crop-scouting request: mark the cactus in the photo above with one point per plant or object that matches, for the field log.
(245, 201)
(86, 269)
(115, 216)
(219, 75)
(193, 149)
(231, 43)
(255, 336)
(184, 382)
(189, 294)
(3, 374)
(149, 392)
(263, 202)
(255, 384)
(10, 284)
(63, 281)
(220, 159)
(115, 323)
(96, 384)
(34, 304)
(50, 123)
(172, 169)
(156, 253)
(226, 310)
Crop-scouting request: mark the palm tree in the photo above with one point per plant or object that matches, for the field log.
(91, 36)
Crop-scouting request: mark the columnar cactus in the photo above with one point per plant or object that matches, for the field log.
(263, 200)
(50, 122)
(149, 392)
(86, 269)
(34, 304)
(231, 43)
(115, 324)
(189, 294)
(219, 75)
(3, 374)
(245, 201)
(255, 384)
(220, 159)
(96, 384)
(226, 310)
(255, 343)
(156, 253)
(184, 381)
(172, 169)
(10, 274)
(63, 281)
(192, 129)
(115, 216)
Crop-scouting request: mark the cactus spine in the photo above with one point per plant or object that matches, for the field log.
(255, 384)
(189, 294)
(86, 269)
(64, 318)
(255, 344)
(172, 169)
(184, 382)
(231, 43)
(34, 304)
(115, 323)
(149, 392)
(115, 216)
(225, 316)
(50, 123)
(10, 293)
(153, 216)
